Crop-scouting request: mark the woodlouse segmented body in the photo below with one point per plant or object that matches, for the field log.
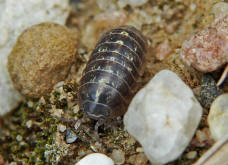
(111, 73)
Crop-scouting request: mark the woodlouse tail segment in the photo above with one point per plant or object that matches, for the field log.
(223, 76)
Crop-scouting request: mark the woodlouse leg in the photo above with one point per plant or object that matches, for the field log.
(65, 120)
(223, 77)
(98, 124)
(113, 124)
(77, 122)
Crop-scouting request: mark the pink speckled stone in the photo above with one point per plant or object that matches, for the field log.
(208, 49)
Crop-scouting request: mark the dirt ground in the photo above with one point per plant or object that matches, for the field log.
(31, 134)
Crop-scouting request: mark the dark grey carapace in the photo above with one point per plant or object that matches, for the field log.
(110, 76)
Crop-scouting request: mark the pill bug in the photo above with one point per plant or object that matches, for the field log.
(112, 71)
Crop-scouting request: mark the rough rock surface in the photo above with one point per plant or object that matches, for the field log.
(209, 91)
(207, 50)
(118, 156)
(96, 159)
(41, 57)
(218, 117)
(163, 117)
(16, 16)
(220, 8)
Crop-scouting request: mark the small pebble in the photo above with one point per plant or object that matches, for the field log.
(30, 104)
(209, 91)
(163, 117)
(59, 84)
(191, 155)
(70, 136)
(77, 125)
(139, 149)
(1, 160)
(141, 159)
(93, 148)
(163, 50)
(58, 112)
(218, 117)
(96, 159)
(62, 128)
(220, 8)
(118, 156)
(19, 138)
(81, 153)
(76, 108)
(29, 124)
(42, 101)
(13, 163)
(193, 7)
(201, 136)
(138, 159)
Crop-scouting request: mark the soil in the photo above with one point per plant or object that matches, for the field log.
(32, 133)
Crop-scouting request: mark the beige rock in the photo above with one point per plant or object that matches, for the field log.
(220, 8)
(191, 155)
(218, 117)
(41, 57)
(118, 156)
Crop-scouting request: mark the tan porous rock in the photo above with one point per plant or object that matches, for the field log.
(41, 57)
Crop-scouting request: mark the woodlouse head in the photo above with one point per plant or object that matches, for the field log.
(95, 111)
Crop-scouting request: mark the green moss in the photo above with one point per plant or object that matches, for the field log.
(72, 114)
(194, 25)
(36, 105)
(15, 148)
(34, 138)
(50, 140)
(48, 120)
(39, 152)
(40, 163)
(41, 142)
(80, 115)
(54, 129)
(56, 95)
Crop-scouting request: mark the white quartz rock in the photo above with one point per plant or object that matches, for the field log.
(95, 159)
(15, 17)
(218, 117)
(163, 117)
